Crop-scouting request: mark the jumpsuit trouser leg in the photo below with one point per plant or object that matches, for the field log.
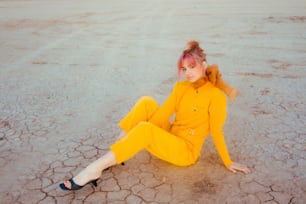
(141, 134)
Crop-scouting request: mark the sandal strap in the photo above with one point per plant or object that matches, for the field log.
(74, 186)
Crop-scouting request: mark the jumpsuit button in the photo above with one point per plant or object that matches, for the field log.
(191, 131)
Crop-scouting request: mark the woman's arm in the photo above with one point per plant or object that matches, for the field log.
(217, 117)
(165, 111)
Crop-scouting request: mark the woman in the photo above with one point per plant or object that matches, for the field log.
(199, 108)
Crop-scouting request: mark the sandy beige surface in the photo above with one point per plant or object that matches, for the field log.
(69, 70)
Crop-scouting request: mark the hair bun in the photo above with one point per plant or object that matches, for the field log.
(192, 45)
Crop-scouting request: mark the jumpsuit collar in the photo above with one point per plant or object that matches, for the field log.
(200, 82)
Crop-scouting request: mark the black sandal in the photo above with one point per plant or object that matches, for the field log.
(75, 186)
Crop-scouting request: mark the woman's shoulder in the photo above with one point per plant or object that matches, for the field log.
(182, 83)
(213, 90)
(216, 92)
(181, 86)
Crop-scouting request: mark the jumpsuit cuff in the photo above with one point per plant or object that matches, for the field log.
(228, 163)
(115, 149)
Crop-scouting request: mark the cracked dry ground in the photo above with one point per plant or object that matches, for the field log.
(274, 148)
(275, 151)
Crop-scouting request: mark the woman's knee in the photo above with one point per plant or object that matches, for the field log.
(149, 103)
(147, 100)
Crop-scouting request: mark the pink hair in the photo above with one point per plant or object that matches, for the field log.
(185, 57)
(193, 54)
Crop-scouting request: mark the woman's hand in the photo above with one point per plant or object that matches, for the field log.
(235, 167)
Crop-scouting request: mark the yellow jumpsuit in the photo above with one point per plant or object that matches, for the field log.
(199, 108)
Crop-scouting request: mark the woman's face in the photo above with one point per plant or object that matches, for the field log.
(193, 71)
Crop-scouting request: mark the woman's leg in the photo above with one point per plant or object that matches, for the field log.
(93, 170)
(157, 141)
(142, 111)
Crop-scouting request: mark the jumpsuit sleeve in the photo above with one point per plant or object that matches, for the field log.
(165, 111)
(217, 117)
